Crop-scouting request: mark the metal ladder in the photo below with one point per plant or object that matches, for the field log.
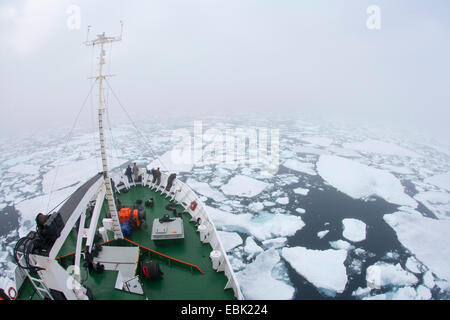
(37, 283)
(113, 210)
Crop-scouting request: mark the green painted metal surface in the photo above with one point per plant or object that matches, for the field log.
(179, 282)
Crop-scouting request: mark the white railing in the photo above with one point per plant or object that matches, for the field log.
(185, 196)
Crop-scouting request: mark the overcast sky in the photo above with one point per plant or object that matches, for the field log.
(209, 56)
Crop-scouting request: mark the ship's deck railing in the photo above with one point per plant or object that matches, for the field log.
(185, 196)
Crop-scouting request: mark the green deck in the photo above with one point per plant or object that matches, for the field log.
(179, 282)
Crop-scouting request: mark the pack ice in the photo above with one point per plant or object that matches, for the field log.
(360, 181)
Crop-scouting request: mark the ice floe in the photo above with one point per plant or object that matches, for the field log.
(360, 181)
(381, 147)
(275, 243)
(205, 190)
(76, 172)
(244, 186)
(413, 265)
(423, 293)
(437, 202)
(300, 210)
(341, 245)
(262, 227)
(230, 240)
(304, 167)
(256, 206)
(440, 180)
(426, 238)
(25, 169)
(428, 280)
(301, 191)
(251, 248)
(174, 161)
(354, 230)
(283, 200)
(383, 274)
(324, 269)
(322, 234)
(320, 141)
(310, 150)
(268, 203)
(257, 282)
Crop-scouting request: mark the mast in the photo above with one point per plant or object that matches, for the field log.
(101, 41)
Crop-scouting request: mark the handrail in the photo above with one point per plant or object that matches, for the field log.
(228, 268)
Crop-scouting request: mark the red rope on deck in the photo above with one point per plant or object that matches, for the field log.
(165, 256)
(141, 246)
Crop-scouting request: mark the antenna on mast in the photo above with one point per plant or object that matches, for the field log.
(87, 34)
(121, 28)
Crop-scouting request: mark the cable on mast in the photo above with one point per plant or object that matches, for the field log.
(135, 126)
(66, 139)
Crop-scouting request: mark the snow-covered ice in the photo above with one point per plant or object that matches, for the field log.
(304, 167)
(322, 234)
(76, 172)
(25, 169)
(381, 147)
(230, 240)
(440, 180)
(262, 227)
(244, 186)
(301, 191)
(360, 181)
(275, 243)
(251, 248)
(283, 200)
(413, 265)
(256, 206)
(354, 230)
(324, 269)
(383, 274)
(436, 201)
(428, 280)
(204, 189)
(341, 245)
(320, 141)
(258, 283)
(426, 238)
(174, 161)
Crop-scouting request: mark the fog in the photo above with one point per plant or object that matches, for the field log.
(205, 57)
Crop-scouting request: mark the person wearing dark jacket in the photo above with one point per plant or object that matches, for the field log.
(158, 176)
(154, 175)
(129, 173)
(172, 177)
